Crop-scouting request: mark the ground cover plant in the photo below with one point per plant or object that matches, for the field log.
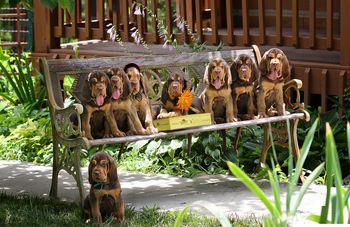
(24, 210)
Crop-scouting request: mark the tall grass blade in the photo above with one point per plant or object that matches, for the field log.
(8, 97)
(181, 216)
(338, 180)
(303, 154)
(253, 187)
(224, 221)
(275, 187)
(23, 81)
(12, 82)
(18, 82)
(311, 178)
(30, 81)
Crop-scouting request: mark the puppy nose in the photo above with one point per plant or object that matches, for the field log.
(274, 61)
(244, 70)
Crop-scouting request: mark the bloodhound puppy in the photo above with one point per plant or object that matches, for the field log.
(274, 69)
(216, 97)
(244, 76)
(124, 111)
(104, 199)
(97, 101)
(139, 97)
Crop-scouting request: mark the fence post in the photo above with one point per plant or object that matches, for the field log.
(44, 21)
(344, 33)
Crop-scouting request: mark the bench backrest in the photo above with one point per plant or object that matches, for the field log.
(154, 67)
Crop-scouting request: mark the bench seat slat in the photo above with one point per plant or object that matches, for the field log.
(208, 128)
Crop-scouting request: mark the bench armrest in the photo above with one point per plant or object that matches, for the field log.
(295, 104)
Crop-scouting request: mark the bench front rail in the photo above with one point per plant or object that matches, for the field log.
(68, 138)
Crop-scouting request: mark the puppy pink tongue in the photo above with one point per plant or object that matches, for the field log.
(273, 75)
(116, 94)
(100, 100)
(217, 83)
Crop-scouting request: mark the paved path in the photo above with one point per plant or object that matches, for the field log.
(164, 191)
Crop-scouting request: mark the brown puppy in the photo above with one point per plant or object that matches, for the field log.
(105, 198)
(217, 96)
(124, 112)
(244, 75)
(274, 69)
(172, 90)
(139, 98)
(97, 99)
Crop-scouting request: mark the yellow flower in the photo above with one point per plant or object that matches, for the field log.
(184, 102)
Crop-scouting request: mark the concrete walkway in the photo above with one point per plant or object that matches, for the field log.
(163, 191)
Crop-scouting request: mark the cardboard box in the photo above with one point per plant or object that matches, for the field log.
(180, 122)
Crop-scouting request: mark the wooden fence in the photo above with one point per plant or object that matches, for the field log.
(316, 25)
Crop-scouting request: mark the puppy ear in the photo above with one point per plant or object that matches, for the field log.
(234, 70)
(87, 89)
(109, 73)
(126, 85)
(108, 87)
(143, 84)
(112, 172)
(285, 67)
(165, 94)
(207, 74)
(228, 74)
(263, 65)
(186, 84)
(90, 173)
(255, 72)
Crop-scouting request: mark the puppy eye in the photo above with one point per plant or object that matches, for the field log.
(248, 61)
(279, 55)
(271, 55)
(239, 62)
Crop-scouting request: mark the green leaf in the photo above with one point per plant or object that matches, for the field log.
(253, 187)
(303, 154)
(153, 146)
(138, 144)
(175, 144)
(180, 216)
(51, 4)
(311, 178)
(224, 221)
(67, 4)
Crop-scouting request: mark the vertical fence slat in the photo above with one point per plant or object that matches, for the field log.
(87, 19)
(60, 22)
(183, 15)
(341, 85)
(199, 27)
(261, 11)
(306, 86)
(115, 20)
(344, 32)
(278, 22)
(295, 23)
(78, 10)
(168, 17)
(140, 19)
(312, 23)
(245, 22)
(324, 90)
(100, 18)
(229, 21)
(154, 19)
(214, 22)
(125, 21)
(329, 24)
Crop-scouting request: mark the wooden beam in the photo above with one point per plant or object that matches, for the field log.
(344, 32)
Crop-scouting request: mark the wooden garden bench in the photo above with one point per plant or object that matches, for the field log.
(68, 139)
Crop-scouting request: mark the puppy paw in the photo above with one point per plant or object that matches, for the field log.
(151, 130)
(232, 119)
(261, 115)
(162, 115)
(142, 132)
(89, 136)
(119, 133)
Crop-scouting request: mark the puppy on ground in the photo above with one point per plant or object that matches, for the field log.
(139, 97)
(96, 101)
(216, 97)
(274, 69)
(104, 199)
(244, 76)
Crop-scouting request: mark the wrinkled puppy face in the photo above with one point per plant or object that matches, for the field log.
(217, 70)
(98, 82)
(134, 78)
(244, 67)
(274, 64)
(118, 81)
(99, 167)
(176, 85)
